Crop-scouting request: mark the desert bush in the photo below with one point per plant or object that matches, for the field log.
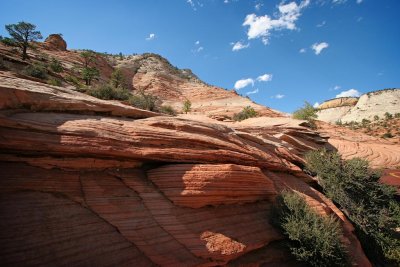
(370, 205)
(75, 81)
(365, 122)
(54, 81)
(314, 239)
(144, 101)
(187, 106)
(118, 78)
(55, 65)
(339, 122)
(387, 135)
(307, 112)
(168, 110)
(376, 118)
(397, 115)
(388, 116)
(108, 92)
(36, 70)
(246, 113)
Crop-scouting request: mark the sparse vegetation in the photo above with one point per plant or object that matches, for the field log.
(22, 34)
(370, 205)
(36, 70)
(246, 113)
(55, 65)
(166, 109)
(144, 101)
(388, 116)
(187, 106)
(54, 81)
(314, 239)
(118, 79)
(307, 112)
(90, 73)
(108, 92)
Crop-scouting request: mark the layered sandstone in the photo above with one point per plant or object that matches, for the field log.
(126, 187)
(368, 106)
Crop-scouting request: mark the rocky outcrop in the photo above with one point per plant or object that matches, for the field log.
(55, 42)
(125, 187)
(155, 75)
(368, 106)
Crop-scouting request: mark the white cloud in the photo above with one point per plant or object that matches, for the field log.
(226, 1)
(243, 83)
(303, 50)
(316, 105)
(152, 36)
(261, 26)
(197, 43)
(349, 93)
(337, 87)
(264, 78)
(319, 47)
(258, 6)
(238, 46)
(339, 1)
(359, 1)
(252, 92)
(278, 96)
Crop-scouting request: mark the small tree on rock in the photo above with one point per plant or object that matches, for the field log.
(187, 106)
(22, 34)
(117, 79)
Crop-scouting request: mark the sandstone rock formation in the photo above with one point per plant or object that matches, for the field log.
(379, 152)
(372, 104)
(156, 75)
(55, 42)
(87, 182)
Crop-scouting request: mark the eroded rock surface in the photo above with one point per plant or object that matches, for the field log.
(126, 187)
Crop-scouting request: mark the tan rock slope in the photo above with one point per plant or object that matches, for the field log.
(86, 182)
(368, 106)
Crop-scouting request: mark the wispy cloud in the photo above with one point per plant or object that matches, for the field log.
(197, 47)
(152, 36)
(265, 77)
(319, 25)
(359, 1)
(349, 93)
(303, 50)
(252, 92)
(278, 96)
(261, 26)
(318, 47)
(243, 83)
(239, 46)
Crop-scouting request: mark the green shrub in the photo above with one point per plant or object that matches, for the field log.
(388, 116)
(387, 135)
(314, 239)
(36, 70)
(55, 82)
(370, 205)
(74, 81)
(168, 110)
(108, 92)
(118, 79)
(55, 65)
(246, 113)
(144, 101)
(187, 106)
(307, 112)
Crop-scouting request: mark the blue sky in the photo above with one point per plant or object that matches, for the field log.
(285, 51)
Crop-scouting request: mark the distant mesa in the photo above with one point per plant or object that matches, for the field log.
(55, 42)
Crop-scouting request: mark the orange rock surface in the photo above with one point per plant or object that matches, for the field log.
(120, 186)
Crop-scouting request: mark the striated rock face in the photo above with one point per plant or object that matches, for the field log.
(379, 152)
(368, 105)
(126, 187)
(154, 74)
(55, 42)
